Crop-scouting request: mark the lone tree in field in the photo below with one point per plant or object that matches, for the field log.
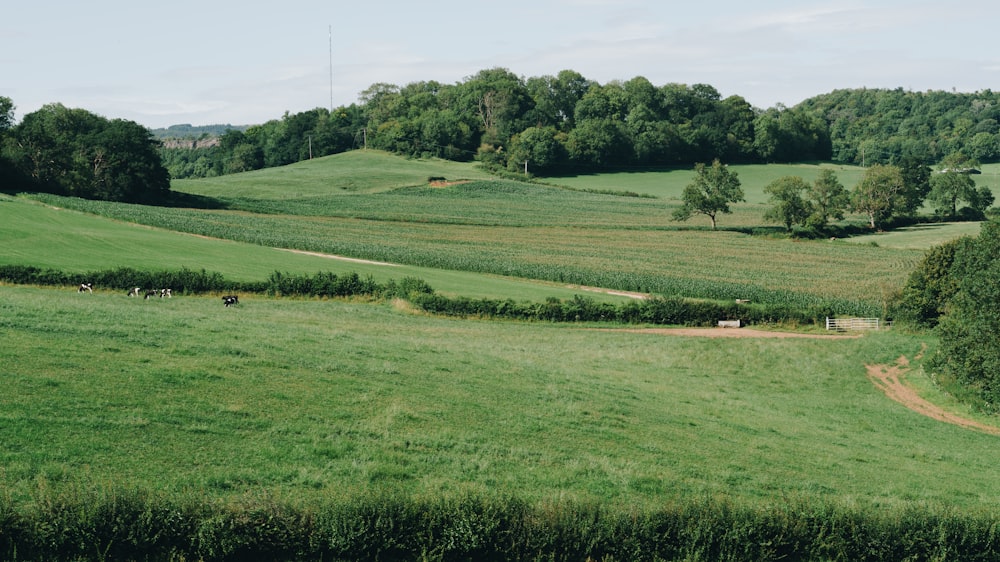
(790, 207)
(711, 192)
(879, 194)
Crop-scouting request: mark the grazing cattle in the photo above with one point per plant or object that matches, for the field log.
(230, 300)
(149, 294)
(165, 293)
(89, 287)
(134, 292)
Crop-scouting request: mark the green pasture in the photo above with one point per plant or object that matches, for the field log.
(358, 171)
(668, 183)
(326, 399)
(72, 241)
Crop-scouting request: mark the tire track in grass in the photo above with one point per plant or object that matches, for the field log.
(889, 379)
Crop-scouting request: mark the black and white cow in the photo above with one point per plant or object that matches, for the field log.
(165, 293)
(134, 292)
(230, 300)
(149, 294)
(88, 287)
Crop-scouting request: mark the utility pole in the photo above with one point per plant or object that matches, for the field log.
(331, 69)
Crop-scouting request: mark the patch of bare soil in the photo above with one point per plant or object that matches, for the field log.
(438, 183)
(609, 291)
(889, 379)
(729, 333)
(342, 258)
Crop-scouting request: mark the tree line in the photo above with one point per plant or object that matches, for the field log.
(75, 152)
(567, 123)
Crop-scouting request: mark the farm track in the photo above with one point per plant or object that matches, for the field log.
(890, 380)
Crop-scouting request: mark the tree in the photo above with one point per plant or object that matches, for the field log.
(75, 152)
(711, 192)
(969, 350)
(829, 199)
(932, 284)
(916, 184)
(948, 188)
(790, 207)
(878, 194)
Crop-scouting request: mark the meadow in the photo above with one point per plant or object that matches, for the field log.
(283, 411)
(540, 232)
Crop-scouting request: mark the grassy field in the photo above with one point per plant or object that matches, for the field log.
(327, 400)
(304, 398)
(530, 231)
(76, 242)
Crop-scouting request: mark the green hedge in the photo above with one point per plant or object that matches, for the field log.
(656, 310)
(133, 525)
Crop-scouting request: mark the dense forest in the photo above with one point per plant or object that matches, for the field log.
(567, 123)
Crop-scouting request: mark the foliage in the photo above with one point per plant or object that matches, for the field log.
(970, 350)
(790, 206)
(658, 310)
(828, 199)
(711, 193)
(932, 284)
(885, 126)
(879, 194)
(949, 187)
(75, 152)
(127, 524)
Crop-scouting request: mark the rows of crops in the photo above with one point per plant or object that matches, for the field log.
(857, 279)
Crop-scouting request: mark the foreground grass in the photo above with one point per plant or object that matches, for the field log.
(311, 399)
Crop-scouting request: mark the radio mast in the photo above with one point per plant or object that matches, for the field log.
(331, 70)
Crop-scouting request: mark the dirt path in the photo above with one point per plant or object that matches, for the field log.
(341, 258)
(889, 379)
(728, 333)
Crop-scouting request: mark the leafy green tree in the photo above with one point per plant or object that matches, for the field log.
(789, 206)
(969, 351)
(950, 187)
(878, 194)
(916, 184)
(712, 191)
(596, 143)
(932, 284)
(828, 199)
(542, 148)
(75, 152)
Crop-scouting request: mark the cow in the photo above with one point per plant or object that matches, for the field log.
(230, 300)
(134, 292)
(89, 287)
(165, 293)
(149, 294)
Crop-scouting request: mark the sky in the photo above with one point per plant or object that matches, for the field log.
(244, 62)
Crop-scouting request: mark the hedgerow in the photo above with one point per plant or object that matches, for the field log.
(655, 310)
(116, 524)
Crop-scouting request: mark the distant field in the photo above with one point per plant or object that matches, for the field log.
(71, 241)
(369, 171)
(669, 183)
(331, 399)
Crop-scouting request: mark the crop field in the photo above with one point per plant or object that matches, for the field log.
(537, 232)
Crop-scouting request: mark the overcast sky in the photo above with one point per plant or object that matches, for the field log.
(243, 62)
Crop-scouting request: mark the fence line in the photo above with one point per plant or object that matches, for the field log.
(844, 324)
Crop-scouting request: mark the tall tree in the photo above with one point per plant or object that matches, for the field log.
(878, 194)
(712, 191)
(75, 152)
(969, 349)
(829, 199)
(789, 204)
